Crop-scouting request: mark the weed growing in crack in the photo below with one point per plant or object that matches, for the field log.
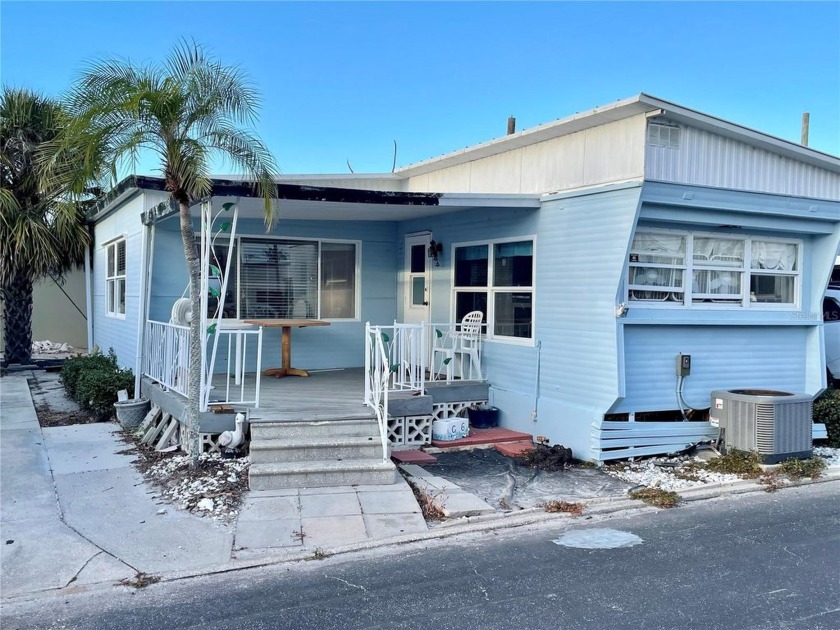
(429, 506)
(656, 497)
(796, 469)
(770, 482)
(575, 509)
(140, 580)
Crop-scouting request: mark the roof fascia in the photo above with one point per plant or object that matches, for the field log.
(122, 192)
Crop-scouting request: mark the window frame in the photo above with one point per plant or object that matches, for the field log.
(114, 280)
(491, 290)
(745, 269)
(319, 241)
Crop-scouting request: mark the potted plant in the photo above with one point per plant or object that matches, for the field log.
(130, 413)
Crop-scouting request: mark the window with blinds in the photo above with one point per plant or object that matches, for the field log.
(115, 278)
(289, 279)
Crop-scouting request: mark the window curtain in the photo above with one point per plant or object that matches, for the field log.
(776, 256)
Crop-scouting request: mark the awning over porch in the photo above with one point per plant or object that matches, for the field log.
(321, 203)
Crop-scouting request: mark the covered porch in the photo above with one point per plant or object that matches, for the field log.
(346, 263)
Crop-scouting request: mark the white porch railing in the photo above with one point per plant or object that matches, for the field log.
(454, 353)
(166, 360)
(240, 343)
(166, 357)
(407, 349)
(419, 353)
(377, 379)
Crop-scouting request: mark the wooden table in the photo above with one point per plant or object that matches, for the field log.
(286, 346)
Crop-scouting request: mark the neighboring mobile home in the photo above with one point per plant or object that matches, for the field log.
(598, 247)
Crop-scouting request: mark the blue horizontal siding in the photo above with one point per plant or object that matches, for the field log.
(768, 357)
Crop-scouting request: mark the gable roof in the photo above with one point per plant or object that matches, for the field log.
(640, 104)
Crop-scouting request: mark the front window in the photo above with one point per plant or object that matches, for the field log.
(704, 269)
(289, 279)
(497, 278)
(115, 278)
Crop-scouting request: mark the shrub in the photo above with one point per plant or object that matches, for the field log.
(96, 390)
(74, 367)
(94, 380)
(827, 411)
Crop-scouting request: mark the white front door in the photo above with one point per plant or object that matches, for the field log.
(417, 291)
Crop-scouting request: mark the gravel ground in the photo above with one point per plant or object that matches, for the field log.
(215, 489)
(680, 473)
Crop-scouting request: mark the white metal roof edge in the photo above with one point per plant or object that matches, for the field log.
(593, 189)
(489, 200)
(115, 204)
(742, 133)
(285, 177)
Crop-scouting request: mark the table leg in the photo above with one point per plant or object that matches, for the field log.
(286, 356)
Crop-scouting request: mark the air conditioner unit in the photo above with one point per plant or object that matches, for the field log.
(777, 425)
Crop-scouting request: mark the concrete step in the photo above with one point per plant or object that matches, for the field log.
(315, 449)
(318, 474)
(359, 427)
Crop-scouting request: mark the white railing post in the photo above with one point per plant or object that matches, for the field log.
(367, 364)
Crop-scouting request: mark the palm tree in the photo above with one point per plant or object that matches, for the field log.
(187, 111)
(41, 233)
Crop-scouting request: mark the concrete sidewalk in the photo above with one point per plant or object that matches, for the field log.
(75, 511)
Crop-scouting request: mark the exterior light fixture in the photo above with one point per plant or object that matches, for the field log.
(435, 249)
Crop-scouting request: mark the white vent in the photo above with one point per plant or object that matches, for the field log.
(660, 135)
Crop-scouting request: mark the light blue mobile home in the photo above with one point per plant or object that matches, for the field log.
(598, 248)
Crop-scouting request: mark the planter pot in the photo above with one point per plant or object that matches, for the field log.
(483, 417)
(130, 413)
(448, 429)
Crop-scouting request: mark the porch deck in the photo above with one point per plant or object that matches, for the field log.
(323, 395)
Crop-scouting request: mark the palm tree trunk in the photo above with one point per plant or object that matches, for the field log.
(194, 381)
(17, 320)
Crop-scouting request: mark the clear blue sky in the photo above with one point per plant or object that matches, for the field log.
(344, 80)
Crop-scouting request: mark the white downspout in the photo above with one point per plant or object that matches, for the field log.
(89, 297)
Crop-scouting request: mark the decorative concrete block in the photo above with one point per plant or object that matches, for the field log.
(418, 430)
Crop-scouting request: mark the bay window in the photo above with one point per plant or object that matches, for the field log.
(692, 269)
(496, 278)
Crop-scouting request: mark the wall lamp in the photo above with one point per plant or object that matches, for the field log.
(435, 249)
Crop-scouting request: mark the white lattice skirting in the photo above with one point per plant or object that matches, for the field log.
(458, 409)
(414, 431)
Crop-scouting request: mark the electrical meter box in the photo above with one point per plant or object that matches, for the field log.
(683, 364)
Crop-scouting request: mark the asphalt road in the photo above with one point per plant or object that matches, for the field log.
(769, 561)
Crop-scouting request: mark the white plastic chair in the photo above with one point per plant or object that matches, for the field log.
(464, 345)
